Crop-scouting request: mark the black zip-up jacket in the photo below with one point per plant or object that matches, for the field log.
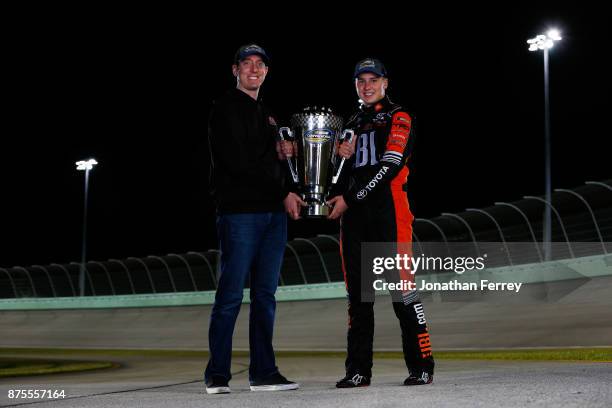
(246, 174)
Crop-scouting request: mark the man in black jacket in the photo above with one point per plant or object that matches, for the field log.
(248, 184)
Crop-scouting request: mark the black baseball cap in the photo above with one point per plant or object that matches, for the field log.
(370, 65)
(251, 49)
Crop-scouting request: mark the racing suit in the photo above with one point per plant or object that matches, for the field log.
(378, 211)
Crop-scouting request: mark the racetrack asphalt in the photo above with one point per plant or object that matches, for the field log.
(176, 382)
(564, 314)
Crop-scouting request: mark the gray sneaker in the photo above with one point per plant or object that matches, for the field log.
(217, 385)
(275, 382)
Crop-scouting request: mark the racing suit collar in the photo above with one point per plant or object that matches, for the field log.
(379, 106)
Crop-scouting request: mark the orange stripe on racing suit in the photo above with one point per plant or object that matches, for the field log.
(397, 142)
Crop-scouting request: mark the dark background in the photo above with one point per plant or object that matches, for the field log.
(133, 89)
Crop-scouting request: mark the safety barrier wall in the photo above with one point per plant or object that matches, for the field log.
(317, 261)
(584, 268)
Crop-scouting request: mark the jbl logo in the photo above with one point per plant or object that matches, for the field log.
(424, 345)
(365, 154)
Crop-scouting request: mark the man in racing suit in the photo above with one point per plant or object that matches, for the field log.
(374, 208)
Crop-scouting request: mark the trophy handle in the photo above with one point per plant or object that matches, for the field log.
(292, 168)
(350, 134)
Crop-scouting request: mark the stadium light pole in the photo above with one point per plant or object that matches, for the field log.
(87, 166)
(545, 42)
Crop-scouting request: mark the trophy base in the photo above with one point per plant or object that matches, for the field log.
(316, 210)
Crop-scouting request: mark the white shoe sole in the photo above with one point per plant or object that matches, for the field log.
(218, 390)
(279, 387)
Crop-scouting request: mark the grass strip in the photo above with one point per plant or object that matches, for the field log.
(598, 354)
(15, 367)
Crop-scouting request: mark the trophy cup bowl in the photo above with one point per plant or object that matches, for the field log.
(316, 131)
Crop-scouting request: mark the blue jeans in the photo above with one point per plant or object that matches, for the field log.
(250, 243)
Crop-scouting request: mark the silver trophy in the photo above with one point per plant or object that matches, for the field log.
(315, 131)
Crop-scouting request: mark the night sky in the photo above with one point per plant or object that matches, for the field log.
(134, 90)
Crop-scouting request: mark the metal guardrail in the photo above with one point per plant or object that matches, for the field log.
(316, 260)
(583, 268)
